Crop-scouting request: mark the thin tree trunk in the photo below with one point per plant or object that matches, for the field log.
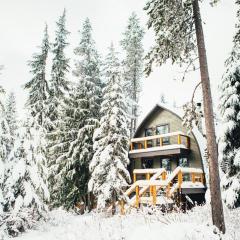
(216, 199)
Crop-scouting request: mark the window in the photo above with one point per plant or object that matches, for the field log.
(183, 162)
(165, 163)
(163, 129)
(147, 163)
(149, 132)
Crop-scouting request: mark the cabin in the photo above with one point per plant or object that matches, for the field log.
(166, 162)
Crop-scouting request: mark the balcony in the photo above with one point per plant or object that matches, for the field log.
(159, 145)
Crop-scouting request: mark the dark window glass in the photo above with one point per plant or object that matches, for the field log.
(147, 163)
(149, 132)
(166, 164)
(162, 129)
(183, 162)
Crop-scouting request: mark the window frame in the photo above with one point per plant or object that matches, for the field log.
(166, 140)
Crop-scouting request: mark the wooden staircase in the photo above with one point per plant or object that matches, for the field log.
(158, 187)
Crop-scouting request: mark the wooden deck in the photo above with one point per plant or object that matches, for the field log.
(158, 186)
(178, 143)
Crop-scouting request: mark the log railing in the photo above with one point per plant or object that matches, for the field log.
(157, 140)
(160, 181)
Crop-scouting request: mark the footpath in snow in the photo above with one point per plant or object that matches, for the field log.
(145, 224)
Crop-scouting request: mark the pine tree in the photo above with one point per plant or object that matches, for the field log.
(81, 117)
(11, 116)
(109, 164)
(24, 189)
(133, 66)
(229, 146)
(163, 98)
(5, 145)
(179, 37)
(59, 87)
(38, 86)
(37, 103)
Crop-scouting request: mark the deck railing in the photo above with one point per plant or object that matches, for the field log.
(173, 138)
(160, 180)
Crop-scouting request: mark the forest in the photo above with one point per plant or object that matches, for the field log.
(64, 164)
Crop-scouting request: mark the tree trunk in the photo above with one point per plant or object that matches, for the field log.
(216, 199)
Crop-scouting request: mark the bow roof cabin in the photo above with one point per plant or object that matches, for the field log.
(165, 160)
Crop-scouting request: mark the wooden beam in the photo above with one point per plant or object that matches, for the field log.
(180, 178)
(154, 195)
(145, 144)
(131, 146)
(179, 139)
(122, 207)
(148, 176)
(161, 141)
(134, 177)
(193, 177)
(164, 176)
(137, 197)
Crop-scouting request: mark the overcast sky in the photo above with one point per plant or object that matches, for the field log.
(22, 23)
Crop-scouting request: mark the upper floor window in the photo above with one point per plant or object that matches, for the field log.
(162, 129)
(149, 132)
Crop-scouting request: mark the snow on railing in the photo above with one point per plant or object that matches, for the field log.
(142, 142)
(153, 184)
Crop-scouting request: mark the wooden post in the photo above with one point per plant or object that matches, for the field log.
(145, 144)
(168, 191)
(131, 146)
(161, 141)
(122, 207)
(134, 177)
(202, 178)
(180, 179)
(154, 199)
(148, 176)
(193, 177)
(179, 139)
(137, 196)
(164, 175)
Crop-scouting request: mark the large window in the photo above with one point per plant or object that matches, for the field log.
(183, 162)
(162, 129)
(165, 163)
(149, 132)
(147, 163)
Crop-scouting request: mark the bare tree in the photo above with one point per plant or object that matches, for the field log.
(179, 37)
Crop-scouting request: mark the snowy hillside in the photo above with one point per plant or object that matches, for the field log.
(147, 224)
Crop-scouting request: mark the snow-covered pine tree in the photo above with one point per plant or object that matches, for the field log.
(163, 98)
(38, 87)
(82, 116)
(5, 145)
(229, 145)
(11, 116)
(24, 189)
(59, 87)
(109, 164)
(133, 66)
(37, 103)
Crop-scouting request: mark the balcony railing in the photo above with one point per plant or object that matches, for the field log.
(168, 139)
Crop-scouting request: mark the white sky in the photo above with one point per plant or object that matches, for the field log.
(22, 23)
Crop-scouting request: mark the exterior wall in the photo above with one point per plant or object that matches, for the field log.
(162, 116)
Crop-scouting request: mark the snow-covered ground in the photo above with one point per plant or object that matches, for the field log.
(145, 224)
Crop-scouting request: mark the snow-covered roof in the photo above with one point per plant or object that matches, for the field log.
(201, 141)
